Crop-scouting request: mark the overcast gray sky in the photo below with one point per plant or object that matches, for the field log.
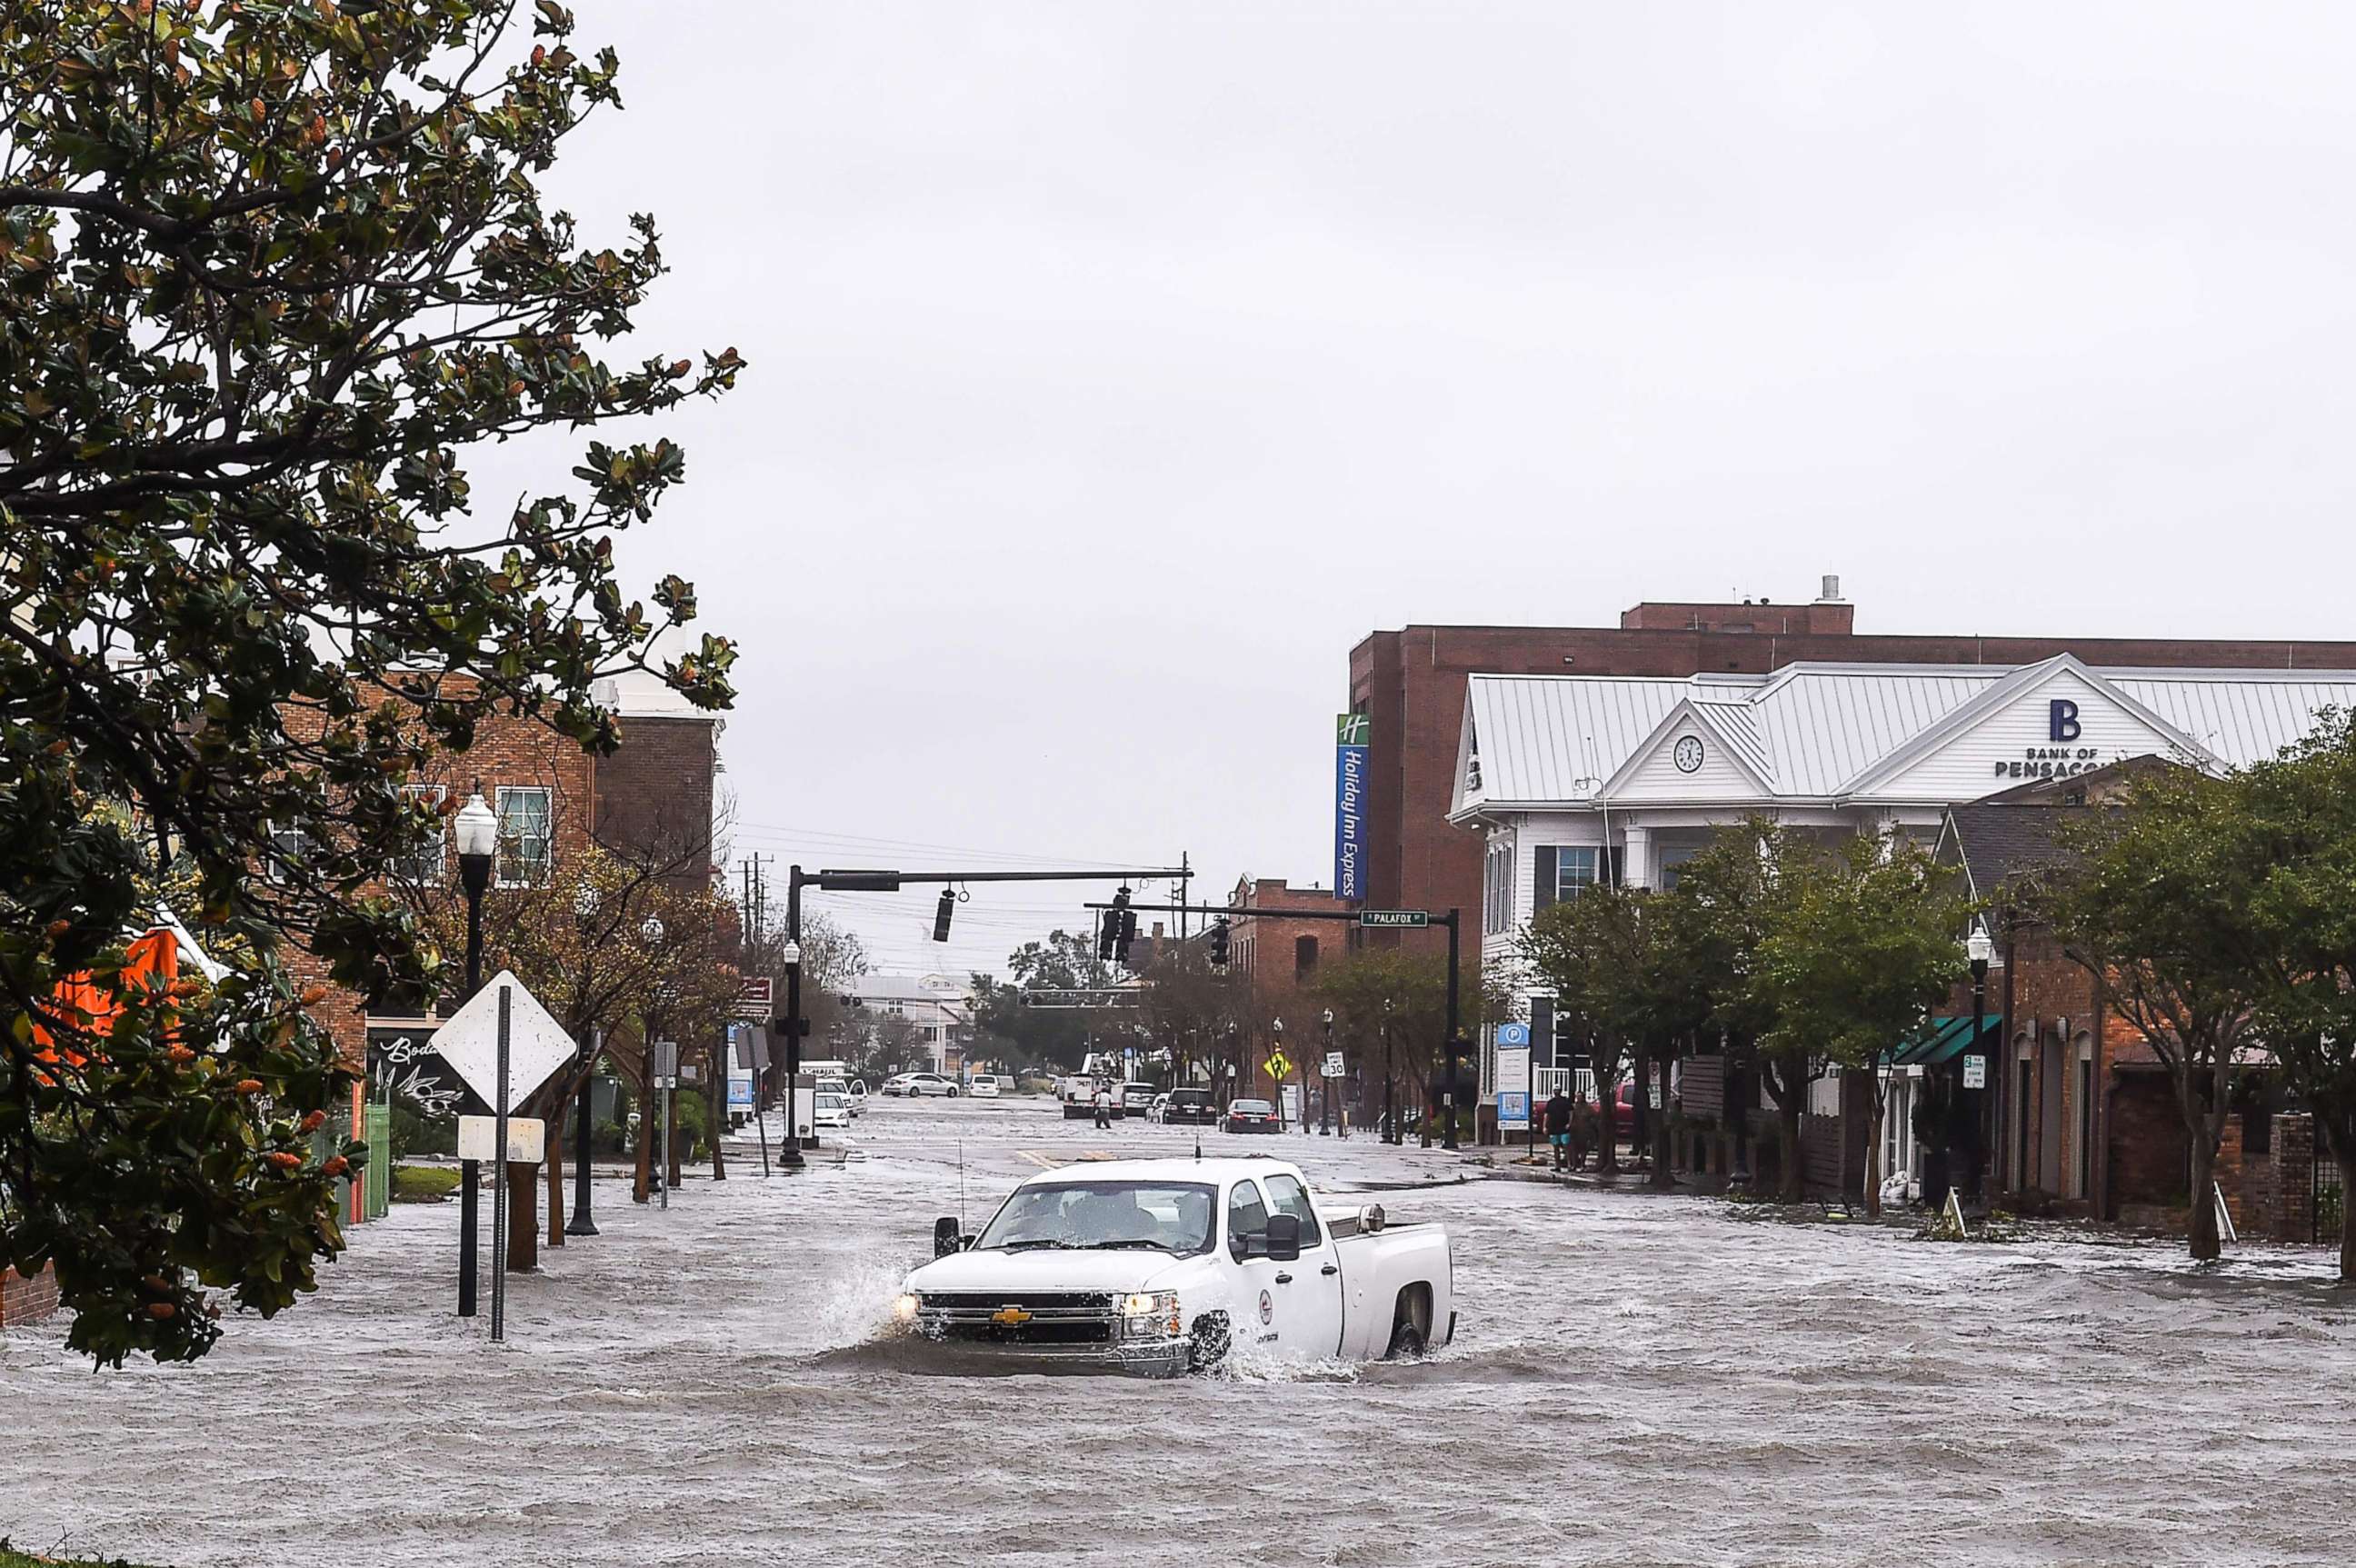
(1117, 367)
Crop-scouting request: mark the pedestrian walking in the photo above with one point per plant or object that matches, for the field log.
(1104, 1106)
(1558, 1126)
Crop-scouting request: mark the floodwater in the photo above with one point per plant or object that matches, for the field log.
(1637, 1380)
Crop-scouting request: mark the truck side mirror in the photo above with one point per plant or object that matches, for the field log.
(1283, 1238)
(946, 1239)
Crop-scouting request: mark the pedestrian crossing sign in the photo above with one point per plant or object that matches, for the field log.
(1279, 1065)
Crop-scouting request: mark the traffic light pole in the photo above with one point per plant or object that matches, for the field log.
(794, 1027)
(1400, 920)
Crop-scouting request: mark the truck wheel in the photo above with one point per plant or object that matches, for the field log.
(1409, 1336)
(1209, 1342)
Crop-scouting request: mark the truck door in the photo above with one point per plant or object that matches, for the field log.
(1314, 1296)
(1260, 1316)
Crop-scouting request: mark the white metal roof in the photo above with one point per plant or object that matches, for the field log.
(1829, 731)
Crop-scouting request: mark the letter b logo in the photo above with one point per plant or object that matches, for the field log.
(2062, 720)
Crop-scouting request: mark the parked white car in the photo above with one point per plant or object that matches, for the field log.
(1165, 1266)
(830, 1108)
(916, 1083)
(982, 1086)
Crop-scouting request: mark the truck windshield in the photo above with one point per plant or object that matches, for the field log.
(1173, 1217)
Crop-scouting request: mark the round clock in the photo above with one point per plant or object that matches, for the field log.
(1688, 754)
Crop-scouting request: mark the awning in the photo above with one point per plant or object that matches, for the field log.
(1943, 1039)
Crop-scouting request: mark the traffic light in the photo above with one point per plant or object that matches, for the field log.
(1219, 941)
(941, 915)
(1123, 921)
(1108, 931)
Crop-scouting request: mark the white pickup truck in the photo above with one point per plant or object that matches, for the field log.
(1166, 1266)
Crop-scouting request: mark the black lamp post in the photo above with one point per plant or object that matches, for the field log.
(1977, 949)
(478, 842)
(1390, 1121)
(1275, 1035)
(580, 1223)
(1326, 1082)
(790, 1157)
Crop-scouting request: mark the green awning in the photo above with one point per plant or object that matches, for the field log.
(1941, 1039)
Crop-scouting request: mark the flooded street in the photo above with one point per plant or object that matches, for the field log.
(1636, 1379)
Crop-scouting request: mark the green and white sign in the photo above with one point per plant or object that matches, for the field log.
(1381, 918)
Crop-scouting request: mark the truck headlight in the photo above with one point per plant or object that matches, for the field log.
(903, 1309)
(1149, 1315)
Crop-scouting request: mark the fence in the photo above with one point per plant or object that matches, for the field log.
(2329, 1198)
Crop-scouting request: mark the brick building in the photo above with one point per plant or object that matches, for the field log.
(1412, 683)
(1277, 961)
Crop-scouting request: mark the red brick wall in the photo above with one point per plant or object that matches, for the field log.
(26, 1300)
(1412, 683)
(653, 795)
(2147, 1144)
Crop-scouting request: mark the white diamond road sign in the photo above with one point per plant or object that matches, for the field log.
(537, 1044)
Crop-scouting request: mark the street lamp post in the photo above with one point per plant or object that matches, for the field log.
(1977, 949)
(479, 842)
(580, 1222)
(1390, 1119)
(1276, 1033)
(1326, 1082)
(650, 931)
(790, 1158)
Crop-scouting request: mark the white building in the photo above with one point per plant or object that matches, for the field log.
(939, 1006)
(1571, 779)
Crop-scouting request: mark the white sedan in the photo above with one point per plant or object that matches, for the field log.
(914, 1083)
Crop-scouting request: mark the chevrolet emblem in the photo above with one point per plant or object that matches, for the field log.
(1010, 1317)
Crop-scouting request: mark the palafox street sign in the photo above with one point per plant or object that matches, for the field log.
(1379, 918)
(468, 1043)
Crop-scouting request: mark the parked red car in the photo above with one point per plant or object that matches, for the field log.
(1623, 1117)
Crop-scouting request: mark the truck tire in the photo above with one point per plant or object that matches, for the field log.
(1209, 1342)
(1410, 1323)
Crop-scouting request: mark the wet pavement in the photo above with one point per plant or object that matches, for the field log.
(1637, 1380)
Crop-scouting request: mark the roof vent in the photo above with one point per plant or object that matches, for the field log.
(1831, 595)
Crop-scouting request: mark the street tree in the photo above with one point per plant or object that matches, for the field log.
(1400, 991)
(1719, 912)
(1858, 950)
(2158, 905)
(2300, 816)
(1601, 955)
(1189, 1004)
(271, 269)
(1064, 961)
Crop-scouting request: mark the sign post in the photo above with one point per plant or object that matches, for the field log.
(1514, 1065)
(753, 1051)
(499, 1181)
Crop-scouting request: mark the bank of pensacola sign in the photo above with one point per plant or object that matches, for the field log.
(1351, 731)
(2061, 759)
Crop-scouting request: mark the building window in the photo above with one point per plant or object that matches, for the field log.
(1304, 957)
(1497, 889)
(430, 859)
(525, 836)
(289, 847)
(1577, 866)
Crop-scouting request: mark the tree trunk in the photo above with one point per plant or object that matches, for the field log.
(642, 1184)
(1875, 1111)
(716, 1108)
(556, 1120)
(1607, 1128)
(1791, 1183)
(2202, 1222)
(523, 1219)
(2347, 1215)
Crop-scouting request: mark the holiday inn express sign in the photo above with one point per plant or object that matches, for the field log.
(1351, 731)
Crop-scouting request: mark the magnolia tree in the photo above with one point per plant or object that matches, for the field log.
(2158, 906)
(1860, 946)
(271, 269)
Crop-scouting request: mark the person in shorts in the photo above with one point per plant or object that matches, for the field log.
(1557, 1128)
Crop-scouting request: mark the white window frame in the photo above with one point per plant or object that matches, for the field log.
(274, 864)
(548, 849)
(412, 869)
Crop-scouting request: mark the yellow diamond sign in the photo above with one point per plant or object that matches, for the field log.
(1279, 1065)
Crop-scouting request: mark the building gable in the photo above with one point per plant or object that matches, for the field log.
(1718, 770)
(2055, 720)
